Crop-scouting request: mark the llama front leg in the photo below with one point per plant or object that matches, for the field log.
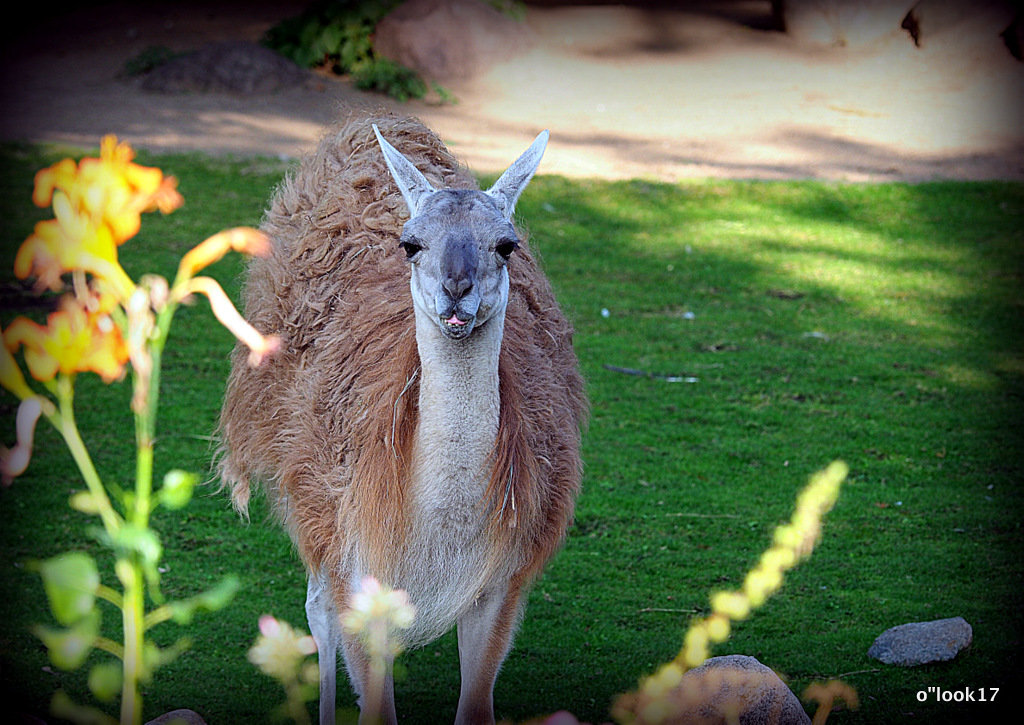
(485, 635)
(326, 630)
(375, 689)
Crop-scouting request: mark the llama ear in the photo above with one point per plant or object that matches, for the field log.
(510, 185)
(413, 185)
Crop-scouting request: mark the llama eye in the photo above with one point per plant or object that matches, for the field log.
(411, 248)
(506, 247)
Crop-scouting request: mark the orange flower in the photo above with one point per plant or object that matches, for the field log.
(239, 239)
(111, 189)
(97, 206)
(61, 175)
(71, 341)
(260, 346)
(70, 241)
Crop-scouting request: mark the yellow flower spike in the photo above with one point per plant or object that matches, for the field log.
(730, 604)
(13, 462)
(260, 346)
(657, 700)
(718, 628)
(695, 646)
(240, 239)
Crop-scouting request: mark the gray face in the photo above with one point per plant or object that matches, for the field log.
(459, 240)
(458, 245)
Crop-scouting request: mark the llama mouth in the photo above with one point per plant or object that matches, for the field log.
(455, 328)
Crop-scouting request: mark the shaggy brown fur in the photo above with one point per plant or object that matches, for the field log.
(328, 423)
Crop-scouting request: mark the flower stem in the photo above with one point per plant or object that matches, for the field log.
(64, 421)
(133, 615)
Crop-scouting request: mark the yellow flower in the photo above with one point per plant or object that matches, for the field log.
(73, 340)
(61, 175)
(825, 694)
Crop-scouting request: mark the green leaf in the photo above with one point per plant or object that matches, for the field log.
(105, 680)
(177, 489)
(70, 581)
(85, 502)
(140, 540)
(211, 600)
(221, 595)
(63, 707)
(68, 648)
(154, 657)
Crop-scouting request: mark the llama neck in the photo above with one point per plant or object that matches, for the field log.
(458, 411)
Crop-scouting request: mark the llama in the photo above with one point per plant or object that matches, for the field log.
(421, 422)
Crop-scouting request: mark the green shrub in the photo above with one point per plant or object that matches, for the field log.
(336, 35)
(386, 76)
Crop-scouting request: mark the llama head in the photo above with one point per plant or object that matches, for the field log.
(459, 241)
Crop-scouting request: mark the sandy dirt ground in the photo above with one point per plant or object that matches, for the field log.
(696, 91)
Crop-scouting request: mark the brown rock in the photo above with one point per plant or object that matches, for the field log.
(178, 717)
(842, 23)
(738, 688)
(449, 39)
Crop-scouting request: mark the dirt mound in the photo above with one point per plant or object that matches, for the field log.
(233, 66)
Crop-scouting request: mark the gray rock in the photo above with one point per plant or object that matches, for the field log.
(919, 643)
(178, 717)
(738, 684)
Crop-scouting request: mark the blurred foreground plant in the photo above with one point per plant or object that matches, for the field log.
(375, 615)
(282, 653)
(105, 323)
(666, 695)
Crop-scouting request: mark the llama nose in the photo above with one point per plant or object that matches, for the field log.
(458, 288)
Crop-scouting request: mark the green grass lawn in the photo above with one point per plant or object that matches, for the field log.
(879, 324)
